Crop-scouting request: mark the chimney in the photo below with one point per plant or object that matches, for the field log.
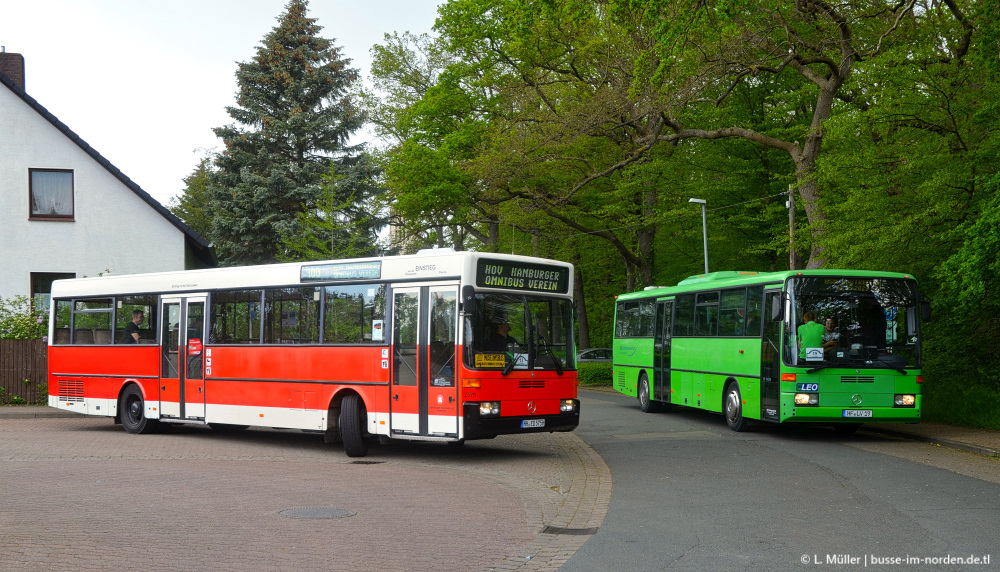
(12, 66)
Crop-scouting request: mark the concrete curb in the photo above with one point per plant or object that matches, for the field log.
(950, 443)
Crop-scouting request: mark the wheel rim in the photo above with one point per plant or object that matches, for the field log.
(134, 411)
(733, 409)
(644, 392)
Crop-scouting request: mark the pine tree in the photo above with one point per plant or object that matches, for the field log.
(294, 115)
(192, 206)
(347, 218)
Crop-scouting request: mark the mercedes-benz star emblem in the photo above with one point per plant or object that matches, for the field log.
(856, 399)
(532, 407)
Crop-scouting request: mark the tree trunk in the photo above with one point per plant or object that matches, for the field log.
(581, 306)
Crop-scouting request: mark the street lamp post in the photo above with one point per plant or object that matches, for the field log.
(704, 228)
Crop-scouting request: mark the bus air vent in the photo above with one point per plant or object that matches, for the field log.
(71, 390)
(531, 384)
(858, 379)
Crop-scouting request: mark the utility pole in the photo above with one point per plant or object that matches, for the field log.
(791, 227)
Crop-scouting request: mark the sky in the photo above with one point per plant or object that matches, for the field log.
(145, 81)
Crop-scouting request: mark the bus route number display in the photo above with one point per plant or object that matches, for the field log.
(342, 271)
(521, 276)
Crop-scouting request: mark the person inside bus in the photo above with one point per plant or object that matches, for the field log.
(810, 333)
(500, 338)
(132, 328)
(831, 337)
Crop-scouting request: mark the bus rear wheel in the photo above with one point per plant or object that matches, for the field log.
(733, 408)
(352, 422)
(646, 403)
(132, 411)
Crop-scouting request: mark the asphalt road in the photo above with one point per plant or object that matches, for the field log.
(689, 494)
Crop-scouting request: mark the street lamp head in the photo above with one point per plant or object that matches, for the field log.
(701, 201)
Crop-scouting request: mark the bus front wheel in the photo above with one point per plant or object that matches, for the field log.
(733, 408)
(352, 419)
(132, 411)
(646, 403)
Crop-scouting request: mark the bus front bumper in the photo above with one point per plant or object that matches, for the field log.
(479, 427)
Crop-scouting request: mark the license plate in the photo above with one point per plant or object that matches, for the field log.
(532, 423)
(857, 413)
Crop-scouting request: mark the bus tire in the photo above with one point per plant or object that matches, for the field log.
(352, 426)
(132, 412)
(646, 403)
(732, 407)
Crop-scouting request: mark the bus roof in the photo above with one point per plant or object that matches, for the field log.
(435, 264)
(737, 278)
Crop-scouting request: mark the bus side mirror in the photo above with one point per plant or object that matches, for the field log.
(777, 309)
(925, 311)
(469, 299)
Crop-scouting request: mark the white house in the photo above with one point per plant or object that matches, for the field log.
(65, 211)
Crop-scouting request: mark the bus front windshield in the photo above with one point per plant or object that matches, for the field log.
(859, 322)
(519, 332)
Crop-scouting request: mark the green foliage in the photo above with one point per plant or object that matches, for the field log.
(19, 320)
(346, 219)
(293, 116)
(594, 373)
(194, 205)
(957, 404)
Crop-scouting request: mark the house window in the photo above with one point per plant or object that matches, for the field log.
(41, 287)
(51, 194)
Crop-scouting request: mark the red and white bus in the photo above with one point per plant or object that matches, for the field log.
(402, 347)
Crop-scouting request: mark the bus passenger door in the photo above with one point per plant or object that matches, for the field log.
(182, 384)
(424, 396)
(194, 379)
(770, 359)
(661, 351)
(404, 397)
(442, 393)
(170, 373)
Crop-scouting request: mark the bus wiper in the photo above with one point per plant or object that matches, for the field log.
(819, 367)
(556, 362)
(510, 365)
(895, 367)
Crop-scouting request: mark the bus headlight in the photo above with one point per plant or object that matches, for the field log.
(806, 399)
(905, 400)
(489, 409)
(568, 406)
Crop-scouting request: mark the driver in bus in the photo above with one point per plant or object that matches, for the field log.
(810, 334)
(500, 338)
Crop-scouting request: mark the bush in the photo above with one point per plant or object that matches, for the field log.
(19, 321)
(594, 373)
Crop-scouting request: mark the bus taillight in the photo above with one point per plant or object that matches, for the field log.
(920, 379)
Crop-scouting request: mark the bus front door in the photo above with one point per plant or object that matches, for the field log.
(182, 382)
(770, 359)
(661, 351)
(424, 396)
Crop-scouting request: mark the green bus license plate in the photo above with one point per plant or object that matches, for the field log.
(857, 413)
(532, 423)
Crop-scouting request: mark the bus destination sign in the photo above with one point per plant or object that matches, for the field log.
(522, 276)
(341, 271)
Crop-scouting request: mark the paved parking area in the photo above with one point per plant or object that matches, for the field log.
(81, 494)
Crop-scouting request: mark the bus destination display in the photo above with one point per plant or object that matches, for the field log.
(521, 276)
(342, 271)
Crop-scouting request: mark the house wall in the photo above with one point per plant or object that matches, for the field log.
(113, 230)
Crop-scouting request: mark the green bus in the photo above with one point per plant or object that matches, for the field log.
(729, 342)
